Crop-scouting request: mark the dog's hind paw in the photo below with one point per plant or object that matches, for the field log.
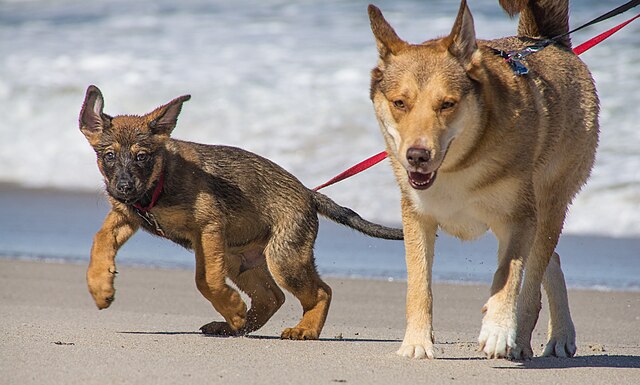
(299, 333)
(560, 346)
(521, 352)
(220, 329)
(417, 351)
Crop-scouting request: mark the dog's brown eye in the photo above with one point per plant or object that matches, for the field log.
(447, 104)
(399, 104)
(109, 156)
(142, 156)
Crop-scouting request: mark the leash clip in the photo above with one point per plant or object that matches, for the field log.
(516, 58)
(151, 220)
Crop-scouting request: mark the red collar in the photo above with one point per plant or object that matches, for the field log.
(154, 197)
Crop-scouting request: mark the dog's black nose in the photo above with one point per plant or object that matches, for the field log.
(124, 186)
(418, 157)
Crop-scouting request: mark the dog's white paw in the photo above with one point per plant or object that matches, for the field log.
(497, 340)
(563, 345)
(417, 351)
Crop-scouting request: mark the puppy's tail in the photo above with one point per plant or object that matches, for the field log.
(346, 216)
(541, 18)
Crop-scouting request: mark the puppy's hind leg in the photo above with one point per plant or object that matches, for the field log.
(290, 260)
(266, 299)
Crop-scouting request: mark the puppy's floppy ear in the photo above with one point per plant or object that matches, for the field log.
(164, 118)
(386, 38)
(93, 121)
(462, 39)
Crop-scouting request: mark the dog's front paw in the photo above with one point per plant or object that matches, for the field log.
(417, 343)
(100, 283)
(417, 351)
(497, 335)
(561, 344)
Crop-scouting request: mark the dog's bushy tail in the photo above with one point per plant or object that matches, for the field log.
(345, 216)
(541, 18)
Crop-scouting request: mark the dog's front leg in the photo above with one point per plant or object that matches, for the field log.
(211, 271)
(419, 240)
(115, 231)
(499, 325)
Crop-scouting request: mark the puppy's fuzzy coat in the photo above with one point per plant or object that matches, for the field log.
(245, 217)
(475, 147)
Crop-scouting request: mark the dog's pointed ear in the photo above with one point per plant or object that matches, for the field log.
(93, 121)
(462, 40)
(164, 118)
(386, 38)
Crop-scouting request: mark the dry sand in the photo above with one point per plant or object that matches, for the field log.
(51, 333)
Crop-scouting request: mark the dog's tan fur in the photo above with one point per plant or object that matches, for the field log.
(475, 147)
(246, 218)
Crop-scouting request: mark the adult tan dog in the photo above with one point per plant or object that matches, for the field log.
(474, 147)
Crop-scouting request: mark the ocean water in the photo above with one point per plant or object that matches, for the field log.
(58, 226)
(288, 80)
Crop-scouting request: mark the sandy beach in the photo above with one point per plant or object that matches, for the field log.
(51, 333)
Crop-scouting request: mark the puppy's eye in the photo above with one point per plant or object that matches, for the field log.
(142, 157)
(109, 156)
(399, 104)
(447, 104)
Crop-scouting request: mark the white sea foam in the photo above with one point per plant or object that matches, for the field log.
(288, 80)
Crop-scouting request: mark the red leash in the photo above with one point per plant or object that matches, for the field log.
(600, 38)
(367, 163)
(358, 168)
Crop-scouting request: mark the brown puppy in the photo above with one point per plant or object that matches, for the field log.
(245, 217)
(474, 146)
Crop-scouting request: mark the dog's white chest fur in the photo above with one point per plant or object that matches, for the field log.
(454, 206)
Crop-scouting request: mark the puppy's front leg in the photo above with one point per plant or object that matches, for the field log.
(419, 240)
(115, 231)
(499, 325)
(211, 272)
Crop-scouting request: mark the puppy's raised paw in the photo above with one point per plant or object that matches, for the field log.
(100, 285)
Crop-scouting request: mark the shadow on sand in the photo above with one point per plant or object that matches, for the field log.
(259, 337)
(592, 361)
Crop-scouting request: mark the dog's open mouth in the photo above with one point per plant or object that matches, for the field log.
(420, 181)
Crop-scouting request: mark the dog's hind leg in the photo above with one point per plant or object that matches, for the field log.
(290, 259)
(550, 221)
(561, 335)
(266, 299)
(266, 296)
